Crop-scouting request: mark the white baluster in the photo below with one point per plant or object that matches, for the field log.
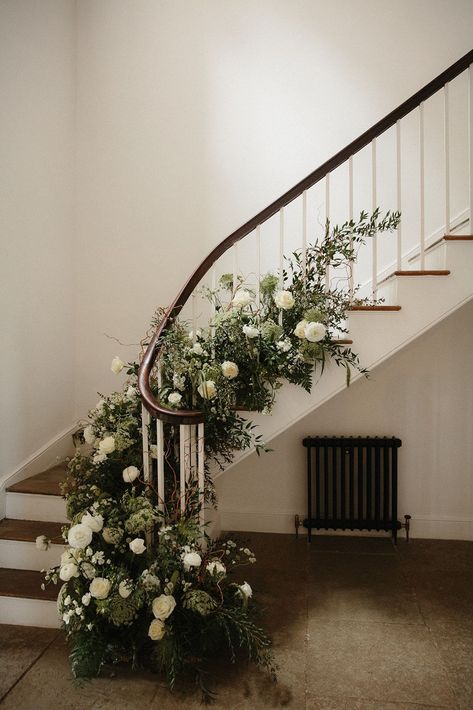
(374, 240)
(327, 218)
(200, 470)
(235, 265)
(350, 217)
(281, 255)
(422, 186)
(258, 266)
(304, 235)
(145, 422)
(399, 193)
(470, 140)
(446, 144)
(183, 463)
(194, 318)
(160, 463)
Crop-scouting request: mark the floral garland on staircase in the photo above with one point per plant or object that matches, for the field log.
(149, 587)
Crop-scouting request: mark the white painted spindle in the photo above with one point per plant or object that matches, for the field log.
(350, 217)
(446, 146)
(160, 462)
(281, 255)
(145, 422)
(258, 266)
(235, 265)
(399, 193)
(194, 318)
(327, 218)
(374, 240)
(200, 470)
(183, 462)
(304, 235)
(422, 186)
(470, 140)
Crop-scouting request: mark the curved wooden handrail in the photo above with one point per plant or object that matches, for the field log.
(182, 416)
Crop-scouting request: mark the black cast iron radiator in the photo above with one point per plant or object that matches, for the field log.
(352, 483)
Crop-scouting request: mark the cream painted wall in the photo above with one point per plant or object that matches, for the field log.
(36, 224)
(194, 114)
(424, 396)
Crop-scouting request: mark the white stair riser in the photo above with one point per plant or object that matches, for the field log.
(31, 506)
(29, 612)
(16, 554)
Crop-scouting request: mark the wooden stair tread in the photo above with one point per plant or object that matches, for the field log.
(375, 308)
(459, 238)
(341, 341)
(26, 584)
(28, 530)
(45, 483)
(432, 272)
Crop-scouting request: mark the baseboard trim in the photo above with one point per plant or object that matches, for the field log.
(422, 526)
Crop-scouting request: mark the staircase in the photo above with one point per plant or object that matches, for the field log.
(427, 279)
(31, 506)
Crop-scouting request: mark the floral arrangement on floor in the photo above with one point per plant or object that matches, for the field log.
(142, 583)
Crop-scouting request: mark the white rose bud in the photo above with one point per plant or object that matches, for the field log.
(100, 588)
(299, 330)
(284, 300)
(79, 536)
(94, 522)
(89, 435)
(117, 365)
(229, 369)
(191, 559)
(68, 571)
(156, 630)
(315, 332)
(125, 589)
(246, 590)
(250, 331)
(42, 543)
(207, 389)
(175, 398)
(107, 445)
(163, 606)
(130, 474)
(242, 298)
(197, 349)
(86, 599)
(137, 546)
(88, 570)
(216, 568)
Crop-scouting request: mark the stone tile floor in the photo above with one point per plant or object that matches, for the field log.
(357, 625)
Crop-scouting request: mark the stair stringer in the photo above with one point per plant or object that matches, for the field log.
(424, 301)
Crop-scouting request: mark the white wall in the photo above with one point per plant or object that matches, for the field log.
(36, 224)
(195, 114)
(423, 395)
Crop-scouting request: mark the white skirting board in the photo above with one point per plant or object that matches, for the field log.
(437, 528)
(29, 612)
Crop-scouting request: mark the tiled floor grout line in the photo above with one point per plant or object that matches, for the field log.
(27, 670)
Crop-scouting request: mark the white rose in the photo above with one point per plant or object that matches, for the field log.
(137, 545)
(42, 543)
(68, 556)
(216, 568)
(130, 473)
(284, 300)
(191, 559)
(197, 349)
(94, 522)
(79, 536)
(207, 389)
(174, 398)
(131, 392)
(250, 331)
(315, 332)
(125, 589)
(117, 365)
(246, 590)
(100, 587)
(89, 435)
(68, 571)
(229, 369)
(99, 458)
(242, 298)
(88, 570)
(163, 606)
(299, 330)
(107, 445)
(86, 599)
(156, 630)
